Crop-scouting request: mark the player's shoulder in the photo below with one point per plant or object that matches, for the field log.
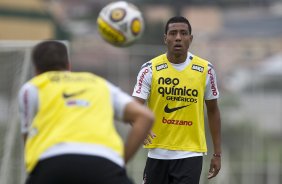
(201, 60)
(27, 88)
(117, 91)
(158, 59)
(148, 64)
(153, 62)
(89, 76)
(113, 88)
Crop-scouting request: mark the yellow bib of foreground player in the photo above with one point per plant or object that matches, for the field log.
(73, 108)
(177, 99)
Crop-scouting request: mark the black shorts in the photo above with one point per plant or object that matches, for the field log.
(77, 169)
(179, 171)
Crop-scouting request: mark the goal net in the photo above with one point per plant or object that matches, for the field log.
(16, 68)
(14, 71)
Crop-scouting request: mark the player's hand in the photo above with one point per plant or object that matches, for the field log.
(149, 138)
(215, 166)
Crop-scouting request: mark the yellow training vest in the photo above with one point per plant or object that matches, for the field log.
(74, 108)
(177, 99)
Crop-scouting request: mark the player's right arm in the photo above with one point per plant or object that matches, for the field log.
(151, 135)
(142, 91)
(138, 115)
(28, 101)
(141, 119)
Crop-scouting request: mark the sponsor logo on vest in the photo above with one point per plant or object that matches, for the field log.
(70, 78)
(197, 68)
(161, 66)
(69, 95)
(213, 87)
(177, 122)
(178, 93)
(81, 103)
(170, 110)
(141, 79)
(181, 99)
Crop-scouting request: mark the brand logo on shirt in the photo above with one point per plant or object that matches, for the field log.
(213, 87)
(140, 81)
(170, 110)
(161, 66)
(197, 68)
(69, 95)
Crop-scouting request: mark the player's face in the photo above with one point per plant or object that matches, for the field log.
(178, 39)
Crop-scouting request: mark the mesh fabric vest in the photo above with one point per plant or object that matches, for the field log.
(72, 108)
(177, 99)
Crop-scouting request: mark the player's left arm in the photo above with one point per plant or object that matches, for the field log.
(213, 112)
(215, 129)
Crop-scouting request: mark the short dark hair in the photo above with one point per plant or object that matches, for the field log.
(178, 19)
(50, 56)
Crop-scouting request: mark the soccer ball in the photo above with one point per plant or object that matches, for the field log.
(120, 23)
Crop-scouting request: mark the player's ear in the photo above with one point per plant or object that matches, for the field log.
(165, 37)
(190, 40)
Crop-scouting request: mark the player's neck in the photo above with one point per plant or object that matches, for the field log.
(176, 59)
